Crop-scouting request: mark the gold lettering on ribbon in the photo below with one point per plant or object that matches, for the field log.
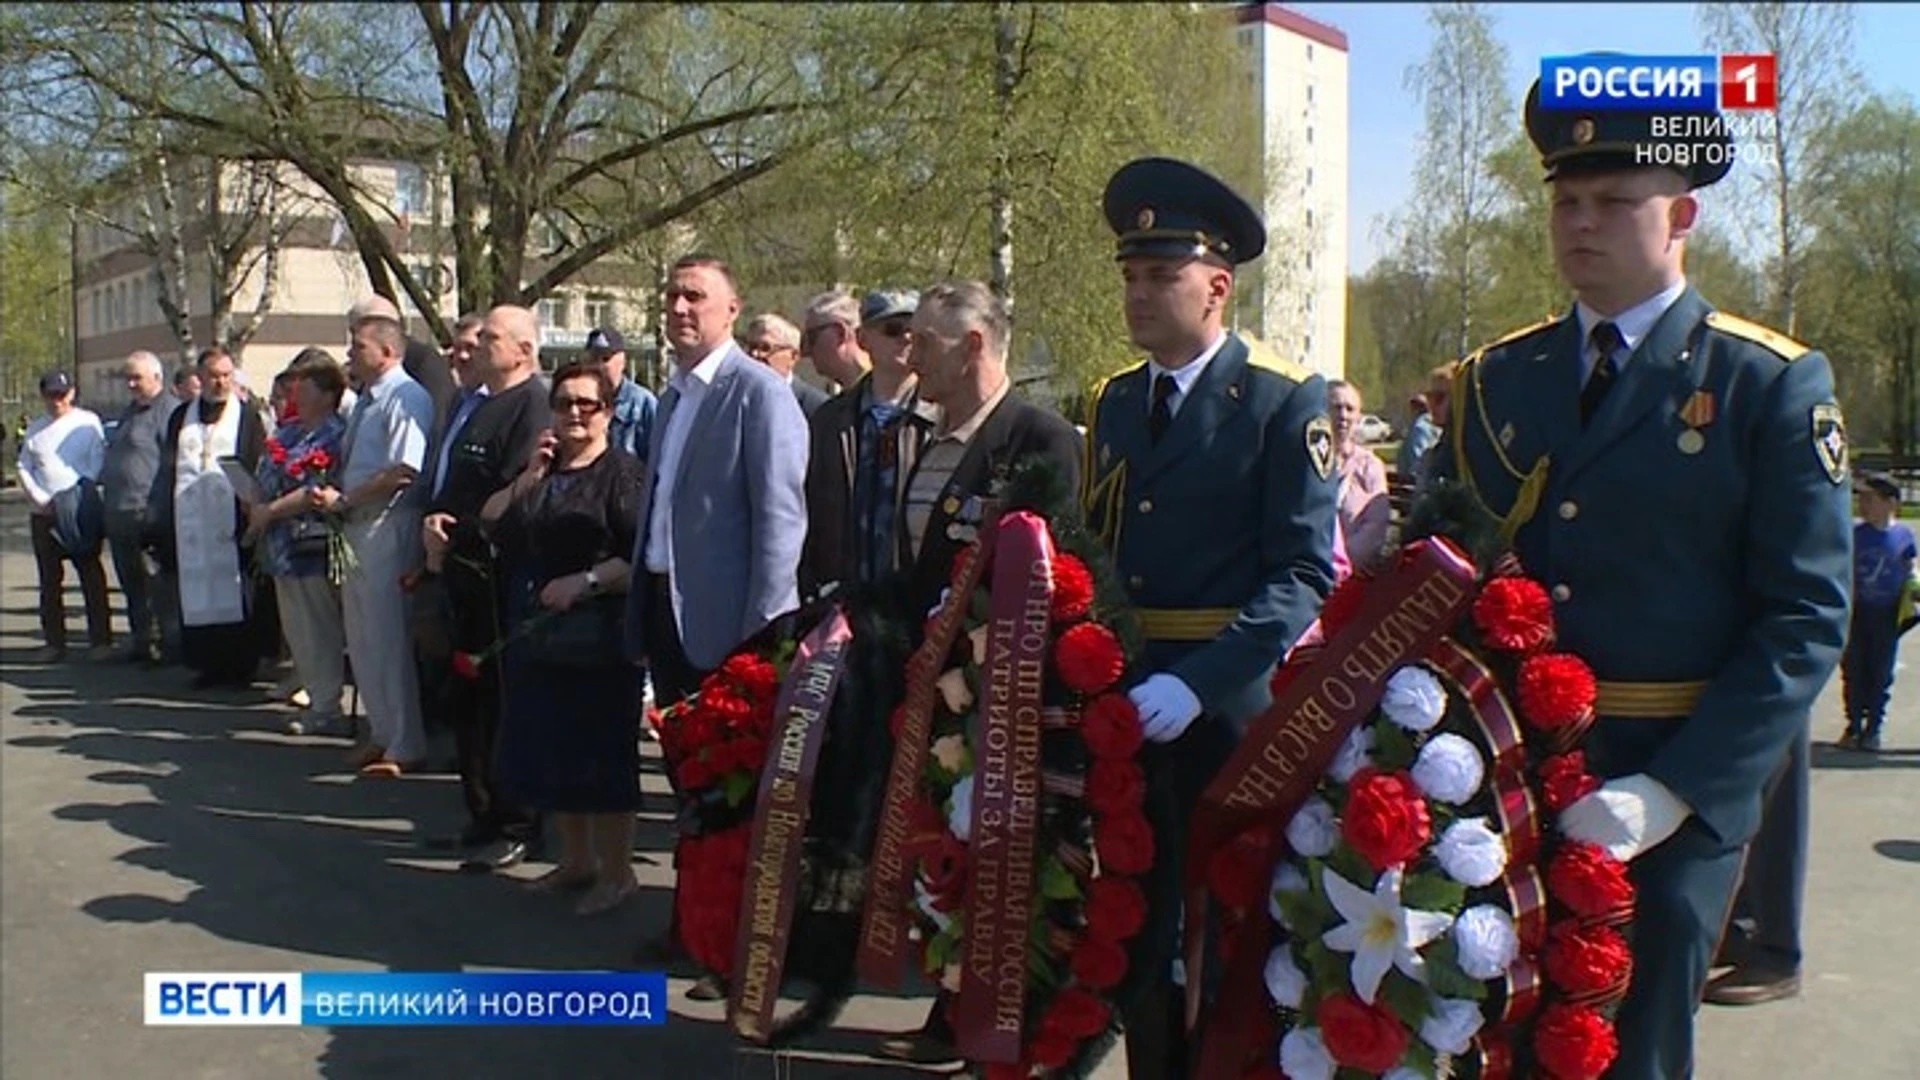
(883, 931)
(780, 823)
(991, 1006)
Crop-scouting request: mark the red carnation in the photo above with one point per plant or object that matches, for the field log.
(1116, 909)
(944, 866)
(1125, 843)
(1089, 658)
(1385, 819)
(319, 459)
(466, 665)
(1078, 1014)
(1115, 787)
(1564, 780)
(1361, 1036)
(1238, 873)
(1052, 1047)
(1072, 589)
(1342, 602)
(1098, 965)
(1514, 614)
(1110, 724)
(693, 774)
(296, 469)
(276, 452)
(1556, 690)
(1574, 1043)
(1589, 881)
(1587, 960)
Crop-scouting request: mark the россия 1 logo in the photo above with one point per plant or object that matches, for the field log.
(1674, 84)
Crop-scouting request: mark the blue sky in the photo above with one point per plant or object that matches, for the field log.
(1385, 39)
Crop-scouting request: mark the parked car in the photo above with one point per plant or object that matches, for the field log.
(1372, 429)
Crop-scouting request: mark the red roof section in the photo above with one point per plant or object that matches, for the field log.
(1294, 22)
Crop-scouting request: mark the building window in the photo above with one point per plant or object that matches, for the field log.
(1309, 52)
(1309, 176)
(95, 325)
(1309, 93)
(545, 310)
(140, 301)
(1309, 217)
(1309, 344)
(1309, 134)
(409, 191)
(599, 310)
(120, 305)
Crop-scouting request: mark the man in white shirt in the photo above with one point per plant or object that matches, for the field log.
(60, 462)
(385, 448)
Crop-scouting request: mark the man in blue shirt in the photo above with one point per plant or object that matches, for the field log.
(633, 404)
(1883, 555)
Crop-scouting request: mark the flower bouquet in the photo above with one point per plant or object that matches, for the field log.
(315, 467)
(1017, 811)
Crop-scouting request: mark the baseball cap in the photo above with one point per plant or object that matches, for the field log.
(606, 341)
(882, 304)
(1879, 483)
(54, 383)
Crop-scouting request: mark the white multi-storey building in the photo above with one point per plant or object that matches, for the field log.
(1297, 70)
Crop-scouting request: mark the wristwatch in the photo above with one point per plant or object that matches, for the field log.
(593, 581)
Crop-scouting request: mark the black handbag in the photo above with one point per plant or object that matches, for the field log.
(308, 537)
(587, 635)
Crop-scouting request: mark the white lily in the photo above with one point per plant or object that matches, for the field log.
(1379, 931)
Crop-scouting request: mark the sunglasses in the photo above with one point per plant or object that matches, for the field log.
(586, 406)
(760, 350)
(895, 330)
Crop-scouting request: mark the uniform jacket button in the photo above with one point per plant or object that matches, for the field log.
(1569, 510)
(1562, 594)
(1135, 582)
(1146, 506)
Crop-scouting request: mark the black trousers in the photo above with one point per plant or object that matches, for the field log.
(1866, 668)
(674, 676)
(471, 707)
(51, 560)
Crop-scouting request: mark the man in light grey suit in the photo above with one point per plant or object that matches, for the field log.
(724, 514)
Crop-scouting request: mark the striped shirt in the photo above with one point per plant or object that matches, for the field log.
(937, 464)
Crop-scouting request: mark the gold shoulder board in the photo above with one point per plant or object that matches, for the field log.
(1261, 355)
(1772, 340)
(1525, 331)
(1099, 392)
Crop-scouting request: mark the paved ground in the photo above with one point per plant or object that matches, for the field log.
(146, 828)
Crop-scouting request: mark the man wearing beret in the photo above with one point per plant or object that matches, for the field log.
(1676, 477)
(1210, 477)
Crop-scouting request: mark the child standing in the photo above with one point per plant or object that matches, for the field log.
(1883, 589)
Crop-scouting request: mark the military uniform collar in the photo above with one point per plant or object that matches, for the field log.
(1634, 323)
(1187, 374)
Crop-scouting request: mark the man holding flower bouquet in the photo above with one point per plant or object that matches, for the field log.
(1677, 478)
(386, 442)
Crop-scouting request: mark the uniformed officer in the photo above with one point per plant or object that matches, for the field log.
(1677, 478)
(1211, 478)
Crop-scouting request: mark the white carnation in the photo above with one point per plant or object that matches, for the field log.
(1452, 1025)
(960, 811)
(1449, 769)
(1486, 942)
(1415, 700)
(923, 900)
(1471, 853)
(1303, 1056)
(1287, 878)
(1286, 983)
(1311, 832)
(1353, 754)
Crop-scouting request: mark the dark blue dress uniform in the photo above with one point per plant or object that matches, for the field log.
(1221, 531)
(1694, 537)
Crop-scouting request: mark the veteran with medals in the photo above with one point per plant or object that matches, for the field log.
(1677, 477)
(1210, 477)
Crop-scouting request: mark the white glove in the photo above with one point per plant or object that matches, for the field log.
(1167, 706)
(1627, 817)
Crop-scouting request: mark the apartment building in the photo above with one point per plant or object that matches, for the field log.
(1297, 70)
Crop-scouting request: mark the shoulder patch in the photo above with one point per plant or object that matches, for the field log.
(1261, 355)
(1772, 340)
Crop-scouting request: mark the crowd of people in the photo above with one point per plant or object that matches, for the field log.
(519, 558)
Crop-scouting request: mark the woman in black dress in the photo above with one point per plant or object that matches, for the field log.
(570, 728)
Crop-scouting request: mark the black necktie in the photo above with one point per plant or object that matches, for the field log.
(1606, 342)
(1161, 417)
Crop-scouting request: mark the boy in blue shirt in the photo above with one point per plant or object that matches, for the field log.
(1883, 597)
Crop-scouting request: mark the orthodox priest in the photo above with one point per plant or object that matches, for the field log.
(199, 525)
